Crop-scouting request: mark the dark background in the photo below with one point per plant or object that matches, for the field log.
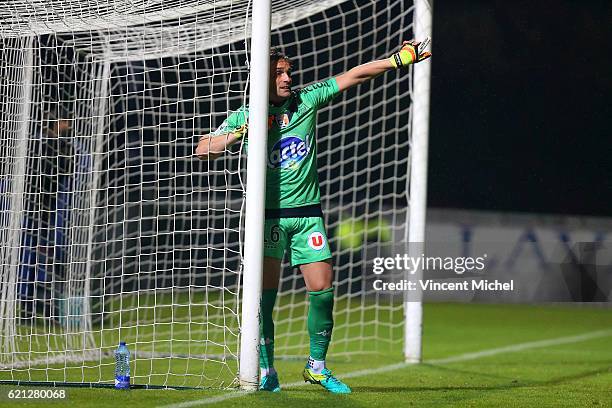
(521, 106)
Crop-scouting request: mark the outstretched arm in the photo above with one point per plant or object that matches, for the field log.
(362, 73)
(411, 52)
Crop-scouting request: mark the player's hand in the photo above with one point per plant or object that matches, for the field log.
(239, 132)
(410, 53)
(60, 128)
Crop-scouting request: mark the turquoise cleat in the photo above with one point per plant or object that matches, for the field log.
(270, 383)
(326, 380)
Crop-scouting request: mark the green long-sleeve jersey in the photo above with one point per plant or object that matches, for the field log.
(292, 179)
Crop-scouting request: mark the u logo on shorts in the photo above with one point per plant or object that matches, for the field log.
(316, 241)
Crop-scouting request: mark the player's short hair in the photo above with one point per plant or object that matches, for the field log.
(276, 55)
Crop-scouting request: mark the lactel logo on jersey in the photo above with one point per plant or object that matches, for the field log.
(287, 152)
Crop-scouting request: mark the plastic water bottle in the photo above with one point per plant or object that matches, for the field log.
(122, 367)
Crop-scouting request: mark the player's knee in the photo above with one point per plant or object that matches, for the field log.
(319, 286)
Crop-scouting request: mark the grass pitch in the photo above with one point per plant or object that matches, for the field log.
(475, 355)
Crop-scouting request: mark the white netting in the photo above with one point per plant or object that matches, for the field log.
(111, 229)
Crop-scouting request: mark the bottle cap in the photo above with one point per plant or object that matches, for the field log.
(122, 343)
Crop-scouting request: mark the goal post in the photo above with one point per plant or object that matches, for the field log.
(255, 195)
(112, 230)
(423, 16)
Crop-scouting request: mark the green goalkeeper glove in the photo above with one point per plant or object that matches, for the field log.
(239, 132)
(411, 52)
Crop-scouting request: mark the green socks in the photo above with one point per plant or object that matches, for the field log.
(266, 329)
(320, 325)
(320, 322)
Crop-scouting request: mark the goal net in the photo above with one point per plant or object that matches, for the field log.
(111, 230)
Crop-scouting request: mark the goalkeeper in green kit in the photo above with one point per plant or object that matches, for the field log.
(293, 219)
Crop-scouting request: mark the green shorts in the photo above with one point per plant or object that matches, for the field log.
(304, 238)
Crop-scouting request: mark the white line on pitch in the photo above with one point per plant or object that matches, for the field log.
(205, 401)
(523, 346)
(461, 357)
